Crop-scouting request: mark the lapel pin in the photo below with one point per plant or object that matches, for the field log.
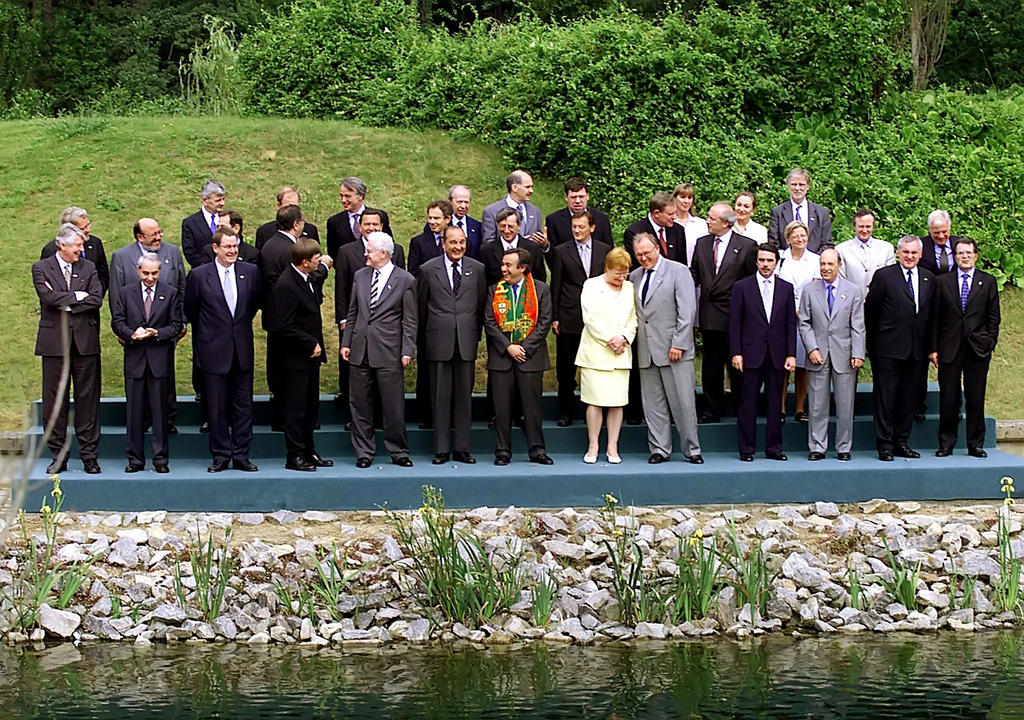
(241, 277)
(167, 261)
(74, 274)
(161, 297)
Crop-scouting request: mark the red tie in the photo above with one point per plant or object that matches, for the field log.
(661, 239)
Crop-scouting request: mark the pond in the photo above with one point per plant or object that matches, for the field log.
(901, 676)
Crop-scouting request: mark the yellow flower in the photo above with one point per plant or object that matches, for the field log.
(617, 533)
(693, 540)
(1008, 501)
(610, 499)
(45, 509)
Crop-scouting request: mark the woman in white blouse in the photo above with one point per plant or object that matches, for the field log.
(744, 205)
(694, 226)
(797, 266)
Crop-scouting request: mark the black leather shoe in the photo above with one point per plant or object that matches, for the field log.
(657, 459)
(315, 459)
(172, 429)
(348, 426)
(299, 463)
(885, 455)
(746, 457)
(919, 415)
(204, 428)
(801, 417)
(542, 459)
(340, 400)
(502, 460)
(56, 466)
(134, 468)
(696, 459)
(844, 456)
(440, 459)
(977, 452)
(708, 418)
(905, 451)
(363, 463)
(91, 467)
(564, 422)
(218, 466)
(776, 456)
(491, 423)
(161, 468)
(943, 452)
(815, 455)
(244, 465)
(464, 457)
(404, 461)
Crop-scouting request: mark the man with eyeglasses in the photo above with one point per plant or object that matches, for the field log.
(816, 218)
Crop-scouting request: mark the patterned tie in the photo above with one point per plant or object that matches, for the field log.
(147, 304)
(456, 278)
(910, 286)
(661, 240)
(944, 259)
(714, 253)
(213, 224)
(766, 298)
(647, 283)
(964, 289)
(831, 298)
(798, 218)
(522, 214)
(229, 291)
(585, 257)
(356, 232)
(67, 276)
(375, 289)
(458, 224)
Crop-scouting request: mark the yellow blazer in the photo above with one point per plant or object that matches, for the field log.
(606, 313)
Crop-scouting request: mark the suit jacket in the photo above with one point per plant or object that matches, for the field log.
(894, 329)
(859, 267)
(665, 321)
(92, 251)
(380, 337)
(757, 338)
(818, 222)
(928, 261)
(491, 253)
(977, 324)
(275, 258)
(675, 240)
(532, 223)
(451, 321)
(123, 271)
(471, 227)
(53, 298)
(129, 312)
(423, 247)
(567, 278)
(349, 261)
(267, 230)
(740, 261)
(219, 337)
(300, 328)
(246, 252)
(839, 337)
(559, 225)
(339, 231)
(195, 232)
(535, 344)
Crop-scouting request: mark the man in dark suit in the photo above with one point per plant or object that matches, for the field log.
(221, 299)
(897, 317)
(460, 197)
(285, 196)
(516, 323)
(92, 250)
(147, 317)
(720, 259)
(452, 291)
(351, 257)
(519, 185)
(345, 227)
(572, 264)
(379, 342)
(816, 218)
(559, 223)
(299, 335)
(199, 227)
(233, 220)
(509, 238)
(967, 329)
(69, 291)
(661, 223)
(762, 339)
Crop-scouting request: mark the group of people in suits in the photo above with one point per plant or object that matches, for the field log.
(766, 300)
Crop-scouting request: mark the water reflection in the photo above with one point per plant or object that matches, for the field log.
(973, 676)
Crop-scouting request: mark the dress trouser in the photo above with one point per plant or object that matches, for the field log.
(845, 389)
(364, 383)
(146, 395)
(85, 379)
(504, 386)
(973, 369)
(452, 382)
(566, 347)
(229, 401)
(300, 409)
(751, 380)
(668, 394)
(895, 395)
(716, 361)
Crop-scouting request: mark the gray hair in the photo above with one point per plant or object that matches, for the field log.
(907, 239)
(212, 187)
(147, 257)
(68, 234)
(645, 236)
(938, 217)
(727, 215)
(798, 172)
(381, 241)
(355, 184)
(72, 214)
(453, 188)
(516, 177)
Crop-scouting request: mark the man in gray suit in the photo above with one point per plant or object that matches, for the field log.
(832, 330)
(666, 304)
(378, 343)
(531, 220)
(452, 292)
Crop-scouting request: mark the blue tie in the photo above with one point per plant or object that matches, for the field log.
(515, 294)
(964, 289)
(831, 298)
(910, 286)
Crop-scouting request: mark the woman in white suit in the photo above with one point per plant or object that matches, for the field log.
(604, 357)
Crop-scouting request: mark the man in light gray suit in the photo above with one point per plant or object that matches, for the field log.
(531, 221)
(666, 305)
(379, 343)
(832, 329)
(452, 291)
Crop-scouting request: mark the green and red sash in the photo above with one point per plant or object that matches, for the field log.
(519, 318)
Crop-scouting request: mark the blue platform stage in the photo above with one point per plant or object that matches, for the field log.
(722, 479)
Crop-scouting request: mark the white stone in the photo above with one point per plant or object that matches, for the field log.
(797, 568)
(61, 623)
(136, 535)
(168, 613)
(251, 518)
(284, 517)
(877, 505)
(319, 516)
(826, 509)
(564, 549)
(933, 599)
(653, 631)
(418, 630)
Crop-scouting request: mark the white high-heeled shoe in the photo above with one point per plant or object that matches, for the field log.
(614, 459)
(590, 459)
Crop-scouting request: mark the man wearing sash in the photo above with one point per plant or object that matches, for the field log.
(517, 323)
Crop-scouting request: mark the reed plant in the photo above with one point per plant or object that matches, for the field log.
(853, 578)
(750, 574)
(1007, 589)
(961, 590)
(903, 585)
(698, 580)
(543, 600)
(640, 598)
(212, 567)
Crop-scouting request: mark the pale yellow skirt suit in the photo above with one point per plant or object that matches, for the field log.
(604, 376)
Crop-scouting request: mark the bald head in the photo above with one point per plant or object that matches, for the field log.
(148, 233)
